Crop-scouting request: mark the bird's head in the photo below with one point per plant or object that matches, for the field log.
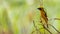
(41, 8)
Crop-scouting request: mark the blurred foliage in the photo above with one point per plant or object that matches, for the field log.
(15, 15)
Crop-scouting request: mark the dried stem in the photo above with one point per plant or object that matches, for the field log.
(54, 28)
(46, 29)
(36, 28)
(56, 19)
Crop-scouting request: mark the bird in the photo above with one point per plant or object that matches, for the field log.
(44, 18)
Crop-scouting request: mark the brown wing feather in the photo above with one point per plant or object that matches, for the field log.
(44, 15)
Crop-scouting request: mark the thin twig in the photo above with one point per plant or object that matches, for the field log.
(46, 29)
(54, 19)
(35, 28)
(54, 28)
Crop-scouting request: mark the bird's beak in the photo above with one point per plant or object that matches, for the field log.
(39, 8)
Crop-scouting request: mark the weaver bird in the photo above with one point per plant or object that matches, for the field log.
(44, 18)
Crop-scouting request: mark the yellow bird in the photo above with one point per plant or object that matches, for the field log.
(44, 18)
